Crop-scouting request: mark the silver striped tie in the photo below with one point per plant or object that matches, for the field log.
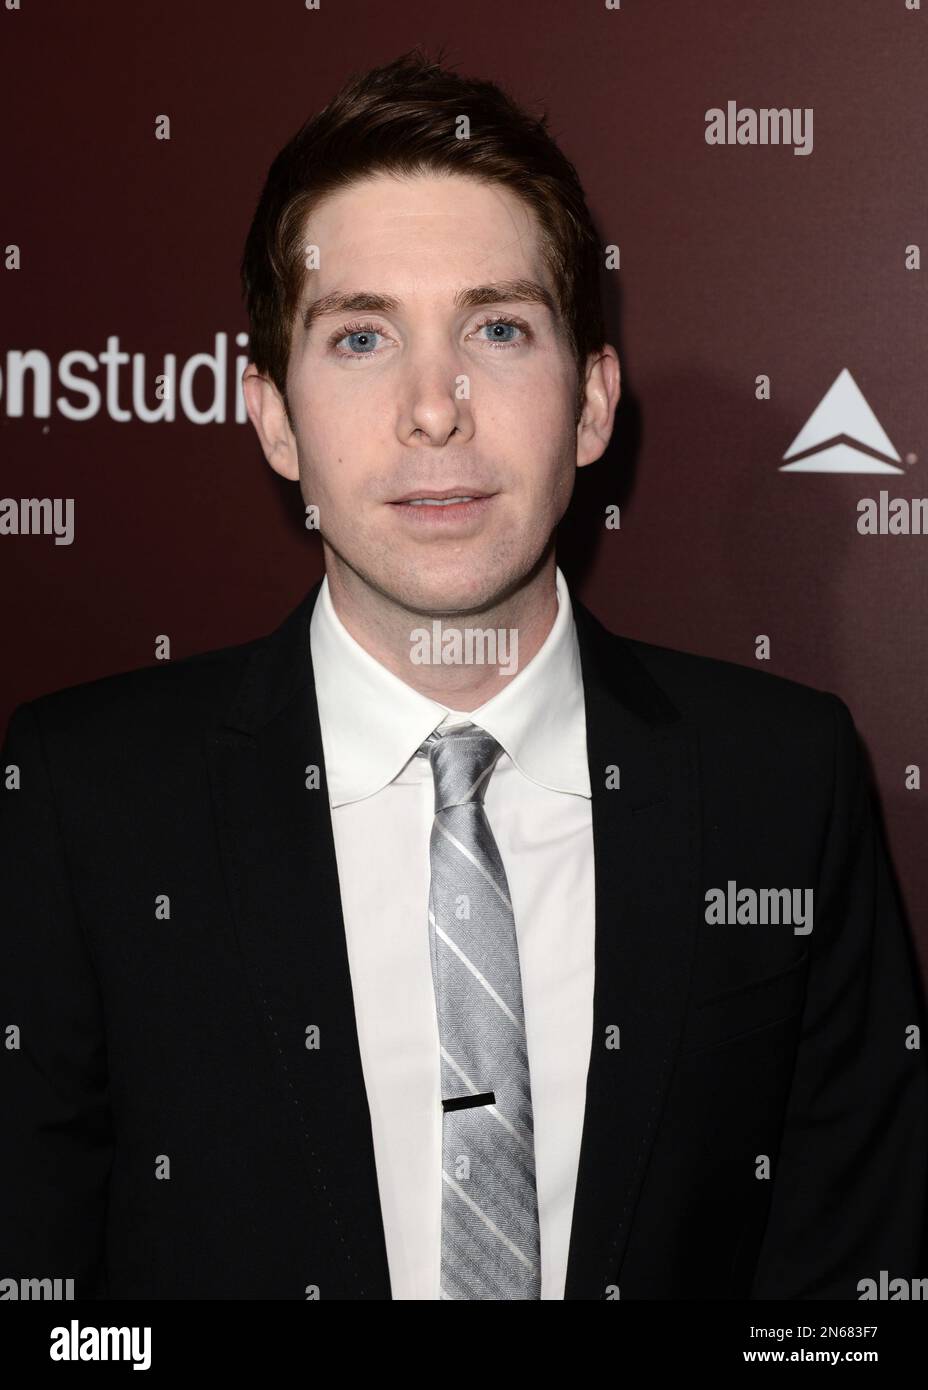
(489, 1213)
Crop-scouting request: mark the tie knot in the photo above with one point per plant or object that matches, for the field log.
(462, 759)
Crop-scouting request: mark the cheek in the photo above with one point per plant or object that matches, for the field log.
(345, 423)
(329, 435)
(540, 408)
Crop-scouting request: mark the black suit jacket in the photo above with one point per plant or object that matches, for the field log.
(144, 1038)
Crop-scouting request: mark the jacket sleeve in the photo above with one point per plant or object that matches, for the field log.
(57, 1144)
(849, 1194)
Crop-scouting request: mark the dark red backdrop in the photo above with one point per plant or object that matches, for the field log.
(736, 262)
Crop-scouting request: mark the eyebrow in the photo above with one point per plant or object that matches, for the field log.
(367, 301)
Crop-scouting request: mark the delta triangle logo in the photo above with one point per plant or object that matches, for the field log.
(842, 435)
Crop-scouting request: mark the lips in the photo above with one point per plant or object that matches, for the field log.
(437, 515)
(436, 501)
(460, 493)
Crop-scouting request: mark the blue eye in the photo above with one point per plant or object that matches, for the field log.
(505, 326)
(360, 341)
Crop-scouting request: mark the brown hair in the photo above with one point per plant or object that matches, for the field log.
(400, 119)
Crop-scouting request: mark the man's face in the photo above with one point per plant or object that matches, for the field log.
(423, 396)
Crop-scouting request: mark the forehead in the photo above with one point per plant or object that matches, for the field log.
(420, 233)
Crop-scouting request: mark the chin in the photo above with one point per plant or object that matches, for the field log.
(454, 593)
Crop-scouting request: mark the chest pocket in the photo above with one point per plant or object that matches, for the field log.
(738, 1013)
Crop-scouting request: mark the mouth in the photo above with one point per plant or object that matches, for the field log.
(433, 497)
(445, 507)
(435, 501)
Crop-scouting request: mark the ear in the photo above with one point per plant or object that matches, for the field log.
(602, 392)
(268, 414)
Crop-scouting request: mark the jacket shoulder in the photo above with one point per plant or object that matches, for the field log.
(168, 699)
(711, 690)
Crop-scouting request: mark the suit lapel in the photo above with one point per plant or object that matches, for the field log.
(280, 864)
(279, 859)
(646, 848)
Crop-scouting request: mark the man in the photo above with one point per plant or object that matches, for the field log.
(567, 967)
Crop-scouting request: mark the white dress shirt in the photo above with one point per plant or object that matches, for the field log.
(538, 806)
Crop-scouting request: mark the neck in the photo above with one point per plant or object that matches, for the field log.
(522, 617)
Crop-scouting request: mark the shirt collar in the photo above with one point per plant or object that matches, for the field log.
(372, 723)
